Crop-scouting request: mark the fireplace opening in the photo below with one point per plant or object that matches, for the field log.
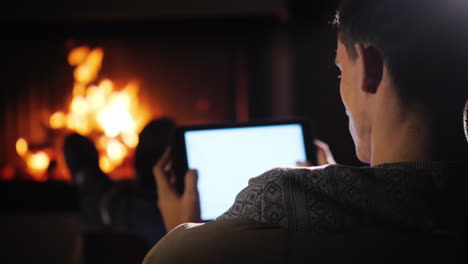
(107, 80)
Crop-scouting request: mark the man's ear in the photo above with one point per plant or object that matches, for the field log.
(372, 67)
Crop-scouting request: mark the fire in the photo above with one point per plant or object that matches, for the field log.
(116, 151)
(105, 164)
(130, 139)
(79, 105)
(88, 68)
(110, 116)
(116, 118)
(38, 164)
(78, 55)
(79, 89)
(22, 147)
(101, 109)
(57, 120)
(38, 161)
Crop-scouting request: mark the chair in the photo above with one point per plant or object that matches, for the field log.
(39, 223)
(115, 248)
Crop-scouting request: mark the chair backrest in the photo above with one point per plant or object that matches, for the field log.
(246, 241)
(115, 248)
(39, 223)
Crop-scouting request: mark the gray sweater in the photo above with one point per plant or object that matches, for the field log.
(335, 198)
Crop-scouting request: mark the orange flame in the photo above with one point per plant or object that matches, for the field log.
(79, 89)
(57, 120)
(78, 55)
(111, 116)
(115, 117)
(38, 161)
(38, 164)
(130, 139)
(87, 70)
(105, 164)
(22, 147)
(115, 151)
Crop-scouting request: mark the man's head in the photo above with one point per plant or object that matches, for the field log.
(400, 56)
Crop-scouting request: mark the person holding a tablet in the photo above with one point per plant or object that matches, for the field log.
(216, 150)
(403, 84)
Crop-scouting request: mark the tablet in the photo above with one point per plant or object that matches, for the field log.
(226, 156)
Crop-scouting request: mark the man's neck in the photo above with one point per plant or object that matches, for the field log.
(415, 136)
(401, 138)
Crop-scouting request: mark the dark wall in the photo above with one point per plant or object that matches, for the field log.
(136, 10)
(317, 94)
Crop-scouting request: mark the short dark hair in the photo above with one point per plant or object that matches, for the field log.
(424, 43)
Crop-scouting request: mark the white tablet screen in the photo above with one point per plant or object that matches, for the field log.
(227, 158)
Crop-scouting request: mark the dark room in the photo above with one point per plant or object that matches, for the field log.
(247, 131)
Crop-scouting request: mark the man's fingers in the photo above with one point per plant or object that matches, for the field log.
(164, 160)
(322, 145)
(160, 175)
(324, 155)
(321, 157)
(172, 179)
(303, 164)
(191, 179)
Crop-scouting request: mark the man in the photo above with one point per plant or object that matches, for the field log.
(404, 68)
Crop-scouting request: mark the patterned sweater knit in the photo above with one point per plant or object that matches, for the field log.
(335, 198)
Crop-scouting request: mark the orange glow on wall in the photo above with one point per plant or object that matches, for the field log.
(7, 173)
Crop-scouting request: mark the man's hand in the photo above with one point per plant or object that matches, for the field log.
(324, 155)
(176, 209)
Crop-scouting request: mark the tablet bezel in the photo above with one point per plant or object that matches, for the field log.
(179, 154)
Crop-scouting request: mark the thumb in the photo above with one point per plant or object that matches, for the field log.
(321, 157)
(191, 180)
(324, 155)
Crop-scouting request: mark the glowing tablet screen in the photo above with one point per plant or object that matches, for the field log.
(227, 158)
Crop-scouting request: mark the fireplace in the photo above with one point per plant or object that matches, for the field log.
(213, 63)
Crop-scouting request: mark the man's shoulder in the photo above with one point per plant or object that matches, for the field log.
(336, 197)
(279, 172)
(301, 199)
(313, 173)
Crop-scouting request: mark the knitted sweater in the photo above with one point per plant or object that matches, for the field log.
(335, 198)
